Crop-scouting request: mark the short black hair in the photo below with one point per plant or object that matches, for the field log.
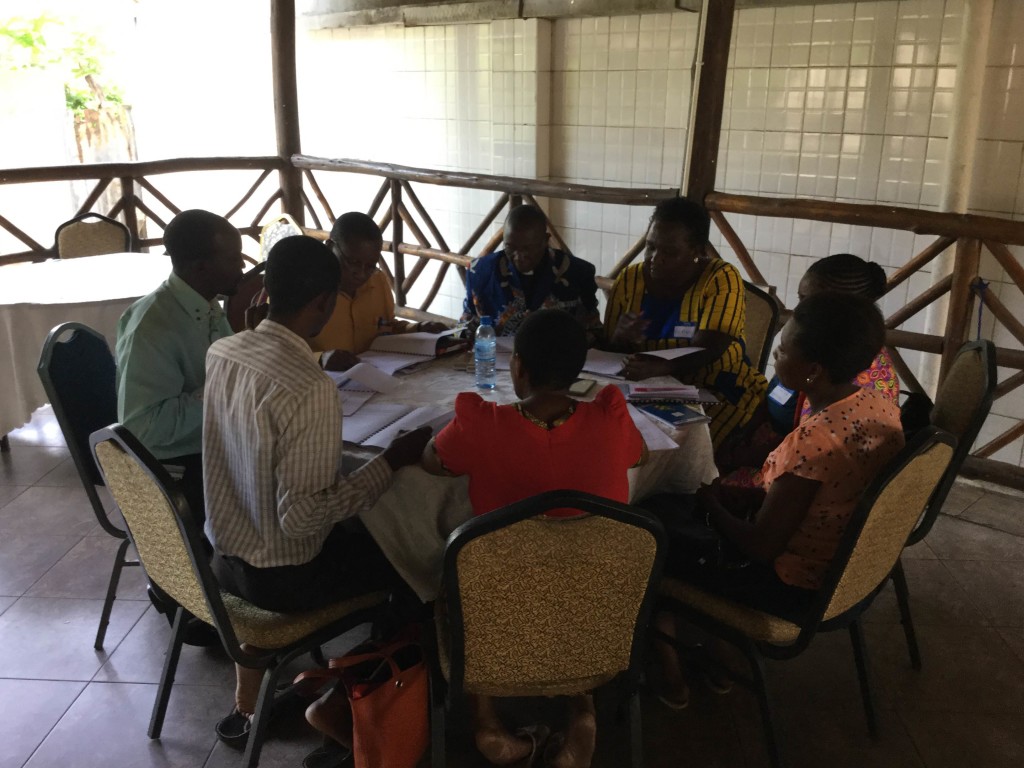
(527, 217)
(552, 348)
(687, 214)
(355, 225)
(190, 235)
(843, 332)
(846, 273)
(299, 269)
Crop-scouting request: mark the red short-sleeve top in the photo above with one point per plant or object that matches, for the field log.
(509, 458)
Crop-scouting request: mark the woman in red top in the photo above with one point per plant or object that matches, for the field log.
(546, 441)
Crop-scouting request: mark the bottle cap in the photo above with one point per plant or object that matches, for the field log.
(485, 320)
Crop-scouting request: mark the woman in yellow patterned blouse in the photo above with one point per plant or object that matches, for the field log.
(678, 297)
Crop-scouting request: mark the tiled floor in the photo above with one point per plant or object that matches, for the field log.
(64, 704)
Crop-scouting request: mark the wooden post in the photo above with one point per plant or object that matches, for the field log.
(961, 299)
(397, 236)
(709, 99)
(131, 217)
(286, 104)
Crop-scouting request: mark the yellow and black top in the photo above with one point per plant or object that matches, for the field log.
(715, 302)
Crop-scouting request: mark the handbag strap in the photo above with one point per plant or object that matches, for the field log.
(339, 664)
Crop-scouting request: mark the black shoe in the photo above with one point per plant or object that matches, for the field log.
(200, 634)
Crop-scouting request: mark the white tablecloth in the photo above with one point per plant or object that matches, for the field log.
(412, 520)
(34, 298)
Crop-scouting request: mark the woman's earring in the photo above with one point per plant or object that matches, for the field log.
(696, 259)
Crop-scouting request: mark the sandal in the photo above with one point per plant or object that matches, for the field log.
(538, 736)
(330, 755)
(233, 729)
(675, 701)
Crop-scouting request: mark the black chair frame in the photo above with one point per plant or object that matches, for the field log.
(987, 350)
(78, 394)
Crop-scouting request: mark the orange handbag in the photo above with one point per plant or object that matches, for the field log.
(387, 688)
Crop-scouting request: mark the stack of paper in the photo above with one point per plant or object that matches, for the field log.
(668, 390)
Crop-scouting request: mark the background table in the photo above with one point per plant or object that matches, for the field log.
(413, 518)
(34, 298)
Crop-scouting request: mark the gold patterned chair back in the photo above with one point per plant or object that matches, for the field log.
(963, 391)
(154, 527)
(550, 605)
(892, 516)
(761, 324)
(79, 237)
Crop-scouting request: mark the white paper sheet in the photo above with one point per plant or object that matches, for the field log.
(370, 419)
(672, 354)
(436, 417)
(654, 436)
(353, 400)
(604, 363)
(366, 377)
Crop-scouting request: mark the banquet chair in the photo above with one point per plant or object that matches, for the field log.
(170, 547)
(867, 553)
(762, 323)
(279, 227)
(545, 606)
(78, 375)
(962, 403)
(235, 305)
(81, 237)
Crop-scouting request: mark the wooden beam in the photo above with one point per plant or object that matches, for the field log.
(954, 225)
(920, 260)
(135, 169)
(738, 248)
(508, 184)
(992, 471)
(918, 303)
(286, 104)
(706, 124)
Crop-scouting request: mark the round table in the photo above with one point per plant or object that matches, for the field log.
(413, 518)
(94, 290)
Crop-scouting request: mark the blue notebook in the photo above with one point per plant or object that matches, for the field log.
(673, 414)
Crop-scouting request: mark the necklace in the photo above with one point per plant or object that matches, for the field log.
(556, 422)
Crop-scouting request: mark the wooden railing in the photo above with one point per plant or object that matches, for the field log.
(967, 234)
(403, 210)
(416, 236)
(138, 199)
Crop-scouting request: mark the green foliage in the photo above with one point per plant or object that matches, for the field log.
(24, 44)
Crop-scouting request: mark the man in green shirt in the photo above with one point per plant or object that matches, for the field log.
(161, 360)
(162, 341)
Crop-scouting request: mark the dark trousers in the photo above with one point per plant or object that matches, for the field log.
(700, 556)
(191, 484)
(349, 564)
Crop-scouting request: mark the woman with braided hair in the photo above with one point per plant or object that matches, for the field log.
(740, 459)
(846, 273)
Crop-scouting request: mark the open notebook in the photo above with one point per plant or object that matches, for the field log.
(395, 352)
(377, 424)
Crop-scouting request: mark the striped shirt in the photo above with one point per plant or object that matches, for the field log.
(715, 302)
(272, 451)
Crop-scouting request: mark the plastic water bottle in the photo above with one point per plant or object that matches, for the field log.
(485, 347)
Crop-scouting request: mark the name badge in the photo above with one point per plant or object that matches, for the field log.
(684, 330)
(781, 395)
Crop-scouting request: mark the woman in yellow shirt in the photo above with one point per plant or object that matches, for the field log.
(680, 296)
